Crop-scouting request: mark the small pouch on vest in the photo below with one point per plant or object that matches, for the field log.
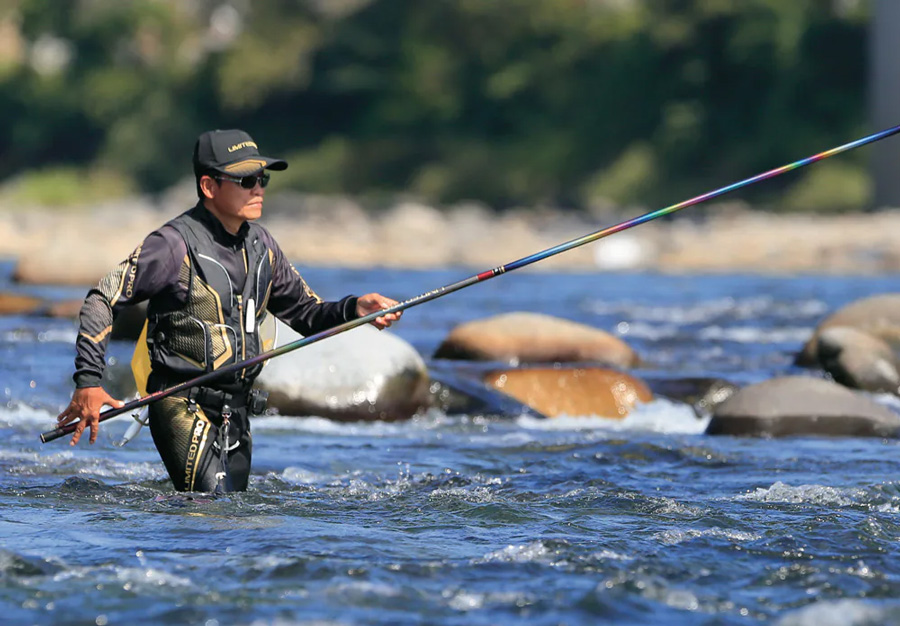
(257, 402)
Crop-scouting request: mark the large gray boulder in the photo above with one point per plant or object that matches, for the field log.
(362, 374)
(534, 338)
(878, 316)
(802, 405)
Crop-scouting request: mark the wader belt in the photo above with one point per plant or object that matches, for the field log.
(205, 396)
(254, 399)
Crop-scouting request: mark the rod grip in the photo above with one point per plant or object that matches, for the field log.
(56, 433)
(62, 431)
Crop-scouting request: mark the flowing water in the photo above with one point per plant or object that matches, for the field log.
(469, 519)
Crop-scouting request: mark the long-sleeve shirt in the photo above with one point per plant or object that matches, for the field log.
(151, 272)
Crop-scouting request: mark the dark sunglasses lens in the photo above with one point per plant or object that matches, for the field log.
(249, 182)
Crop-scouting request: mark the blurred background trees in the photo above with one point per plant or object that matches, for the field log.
(568, 103)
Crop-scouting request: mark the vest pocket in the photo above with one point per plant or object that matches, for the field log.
(223, 346)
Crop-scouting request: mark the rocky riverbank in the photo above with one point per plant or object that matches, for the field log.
(76, 246)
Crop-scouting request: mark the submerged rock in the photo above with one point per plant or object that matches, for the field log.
(463, 393)
(878, 316)
(17, 566)
(704, 394)
(534, 338)
(802, 405)
(572, 391)
(363, 374)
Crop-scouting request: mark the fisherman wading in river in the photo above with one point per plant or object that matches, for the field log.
(210, 276)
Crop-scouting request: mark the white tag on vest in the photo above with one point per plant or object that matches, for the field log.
(250, 323)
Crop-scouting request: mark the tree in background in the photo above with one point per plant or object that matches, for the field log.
(562, 102)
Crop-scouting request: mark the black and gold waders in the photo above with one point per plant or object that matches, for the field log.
(204, 439)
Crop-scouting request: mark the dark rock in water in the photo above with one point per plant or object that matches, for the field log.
(878, 316)
(801, 405)
(77, 484)
(459, 394)
(702, 393)
(534, 338)
(180, 500)
(858, 360)
(14, 565)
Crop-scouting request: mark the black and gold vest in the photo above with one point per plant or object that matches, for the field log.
(219, 323)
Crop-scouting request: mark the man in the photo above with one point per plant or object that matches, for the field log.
(210, 275)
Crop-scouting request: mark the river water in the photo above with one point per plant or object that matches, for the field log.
(469, 519)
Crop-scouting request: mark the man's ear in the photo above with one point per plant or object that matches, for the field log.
(209, 187)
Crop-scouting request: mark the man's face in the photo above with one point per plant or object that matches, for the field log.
(232, 203)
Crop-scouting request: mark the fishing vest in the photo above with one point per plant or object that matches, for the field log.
(219, 323)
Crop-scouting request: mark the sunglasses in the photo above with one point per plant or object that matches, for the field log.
(247, 182)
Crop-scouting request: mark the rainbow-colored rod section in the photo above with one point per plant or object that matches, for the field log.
(477, 278)
(778, 171)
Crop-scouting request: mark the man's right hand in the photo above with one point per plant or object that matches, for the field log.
(85, 407)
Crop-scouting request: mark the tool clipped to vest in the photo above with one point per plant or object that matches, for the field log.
(223, 479)
(140, 417)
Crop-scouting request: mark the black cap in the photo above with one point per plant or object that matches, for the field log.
(231, 152)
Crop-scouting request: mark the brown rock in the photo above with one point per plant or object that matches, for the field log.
(39, 269)
(534, 338)
(17, 304)
(577, 391)
(65, 309)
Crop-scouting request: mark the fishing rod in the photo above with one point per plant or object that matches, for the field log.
(477, 278)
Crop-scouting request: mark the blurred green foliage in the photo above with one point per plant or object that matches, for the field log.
(66, 187)
(560, 102)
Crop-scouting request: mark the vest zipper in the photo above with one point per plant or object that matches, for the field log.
(240, 304)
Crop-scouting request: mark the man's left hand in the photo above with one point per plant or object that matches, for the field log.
(374, 302)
